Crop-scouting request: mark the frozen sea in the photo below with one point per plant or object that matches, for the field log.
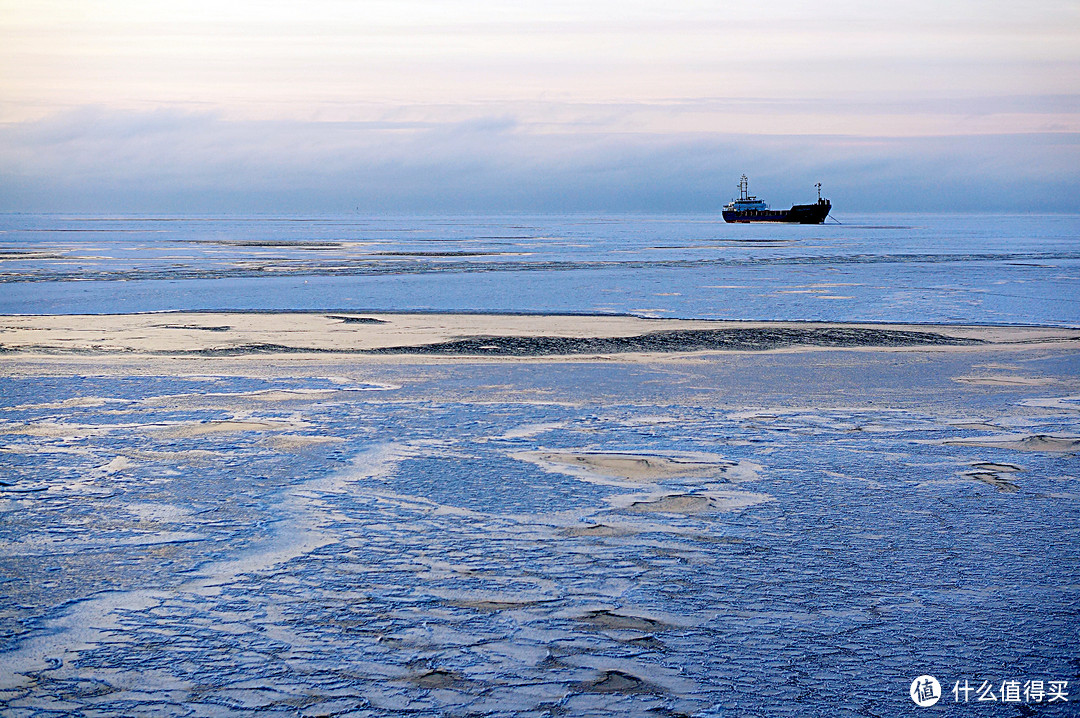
(217, 537)
(891, 268)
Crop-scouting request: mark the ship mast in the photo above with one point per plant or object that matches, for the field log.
(818, 185)
(744, 186)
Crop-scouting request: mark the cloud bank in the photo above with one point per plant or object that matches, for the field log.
(98, 160)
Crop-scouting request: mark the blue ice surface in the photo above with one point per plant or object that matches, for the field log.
(451, 583)
(1006, 269)
(874, 560)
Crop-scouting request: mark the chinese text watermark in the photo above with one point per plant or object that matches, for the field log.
(926, 691)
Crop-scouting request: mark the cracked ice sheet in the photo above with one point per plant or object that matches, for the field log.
(409, 560)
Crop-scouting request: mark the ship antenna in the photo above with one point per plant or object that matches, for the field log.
(818, 185)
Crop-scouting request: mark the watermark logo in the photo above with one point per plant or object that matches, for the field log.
(925, 691)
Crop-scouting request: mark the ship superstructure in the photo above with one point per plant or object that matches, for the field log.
(748, 208)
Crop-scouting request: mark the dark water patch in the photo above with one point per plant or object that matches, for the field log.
(462, 253)
(881, 226)
(269, 243)
(7, 252)
(997, 468)
(599, 530)
(994, 479)
(687, 340)
(222, 328)
(439, 678)
(482, 605)
(356, 320)
(239, 350)
(620, 683)
(254, 348)
(736, 339)
(726, 241)
(621, 622)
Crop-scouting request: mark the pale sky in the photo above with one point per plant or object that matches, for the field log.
(204, 97)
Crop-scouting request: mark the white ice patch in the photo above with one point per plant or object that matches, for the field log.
(157, 512)
(745, 470)
(527, 430)
(119, 463)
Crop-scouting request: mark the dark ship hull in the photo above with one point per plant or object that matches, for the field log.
(798, 214)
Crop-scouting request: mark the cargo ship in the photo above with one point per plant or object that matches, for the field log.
(748, 208)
